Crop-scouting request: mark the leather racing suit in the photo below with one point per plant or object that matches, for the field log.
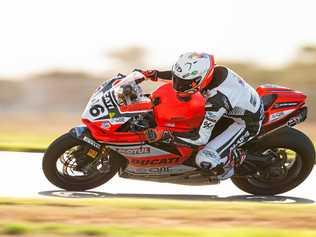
(228, 95)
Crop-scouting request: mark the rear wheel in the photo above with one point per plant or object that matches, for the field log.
(295, 157)
(73, 165)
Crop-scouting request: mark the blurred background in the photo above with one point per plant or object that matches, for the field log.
(53, 54)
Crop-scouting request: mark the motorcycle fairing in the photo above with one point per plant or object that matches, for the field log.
(104, 110)
(286, 106)
(159, 171)
(152, 155)
(172, 114)
(83, 134)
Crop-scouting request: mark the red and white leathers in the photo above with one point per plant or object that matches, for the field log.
(228, 95)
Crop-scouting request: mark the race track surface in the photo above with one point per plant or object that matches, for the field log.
(22, 176)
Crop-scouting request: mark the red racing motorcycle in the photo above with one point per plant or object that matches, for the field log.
(112, 140)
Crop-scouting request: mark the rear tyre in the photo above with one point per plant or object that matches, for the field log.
(55, 156)
(284, 139)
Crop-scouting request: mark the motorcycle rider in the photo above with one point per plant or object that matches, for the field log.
(226, 94)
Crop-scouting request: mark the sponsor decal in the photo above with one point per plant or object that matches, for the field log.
(276, 116)
(108, 101)
(211, 119)
(112, 114)
(281, 114)
(170, 124)
(285, 104)
(106, 124)
(133, 150)
(158, 170)
(208, 124)
(211, 116)
(119, 120)
(92, 153)
(178, 169)
(210, 153)
(91, 142)
(155, 161)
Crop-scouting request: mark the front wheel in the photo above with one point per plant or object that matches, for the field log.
(296, 156)
(73, 165)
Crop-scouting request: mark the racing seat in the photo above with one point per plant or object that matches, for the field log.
(268, 100)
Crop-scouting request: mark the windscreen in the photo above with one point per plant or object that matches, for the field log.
(112, 94)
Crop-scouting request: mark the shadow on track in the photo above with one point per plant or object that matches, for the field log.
(187, 197)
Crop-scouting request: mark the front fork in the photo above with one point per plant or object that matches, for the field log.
(95, 151)
(91, 153)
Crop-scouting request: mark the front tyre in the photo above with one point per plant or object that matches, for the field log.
(67, 165)
(298, 153)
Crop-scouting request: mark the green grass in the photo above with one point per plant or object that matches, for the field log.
(25, 142)
(139, 231)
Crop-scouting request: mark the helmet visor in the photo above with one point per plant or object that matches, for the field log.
(184, 85)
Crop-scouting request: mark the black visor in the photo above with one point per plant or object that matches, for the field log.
(182, 85)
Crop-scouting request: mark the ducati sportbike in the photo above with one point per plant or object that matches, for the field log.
(112, 140)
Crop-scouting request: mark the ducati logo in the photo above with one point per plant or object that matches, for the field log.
(156, 161)
(107, 101)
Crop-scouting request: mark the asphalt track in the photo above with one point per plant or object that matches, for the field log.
(21, 176)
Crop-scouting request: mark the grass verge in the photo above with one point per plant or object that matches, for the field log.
(139, 231)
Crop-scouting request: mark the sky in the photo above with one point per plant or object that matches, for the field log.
(38, 35)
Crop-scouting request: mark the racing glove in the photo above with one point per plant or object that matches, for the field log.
(157, 134)
(149, 74)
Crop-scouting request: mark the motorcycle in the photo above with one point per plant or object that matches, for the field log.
(112, 140)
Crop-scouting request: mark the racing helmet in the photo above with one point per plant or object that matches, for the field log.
(192, 72)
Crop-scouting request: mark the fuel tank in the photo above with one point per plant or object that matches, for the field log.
(176, 114)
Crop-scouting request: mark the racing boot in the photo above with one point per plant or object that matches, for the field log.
(210, 163)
